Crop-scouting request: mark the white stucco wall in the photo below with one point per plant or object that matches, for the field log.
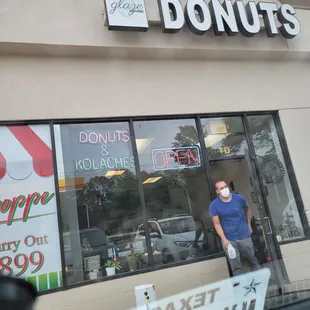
(44, 88)
(294, 122)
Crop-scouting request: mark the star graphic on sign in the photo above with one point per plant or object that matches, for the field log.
(251, 288)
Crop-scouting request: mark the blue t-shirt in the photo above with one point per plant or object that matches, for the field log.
(232, 216)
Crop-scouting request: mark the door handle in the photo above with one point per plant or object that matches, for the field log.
(256, 197)
(266, 190)
(269, 225)
(266, 218)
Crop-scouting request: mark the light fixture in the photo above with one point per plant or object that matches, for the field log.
(217, 130)
(71, 183)
(143, 144)
(211, 140)
(151, 180)
(217, 127)
(112, 173)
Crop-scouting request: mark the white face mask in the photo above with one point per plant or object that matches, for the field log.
(225, 192)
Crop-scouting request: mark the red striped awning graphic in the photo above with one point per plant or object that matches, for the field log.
(37, 151)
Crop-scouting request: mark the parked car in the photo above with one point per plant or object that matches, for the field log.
(174, 237)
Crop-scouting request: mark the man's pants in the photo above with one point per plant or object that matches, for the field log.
(245, 249)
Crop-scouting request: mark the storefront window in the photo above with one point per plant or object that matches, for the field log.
(99, 201)
(224, 137)
(278, 189)
(176, 191)
(29, 244)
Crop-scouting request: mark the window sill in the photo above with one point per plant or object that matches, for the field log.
(136, 272)
(293, 240)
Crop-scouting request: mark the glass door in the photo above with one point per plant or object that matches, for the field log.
(275, 179)
(280, 217)
(270, 251)
(231, 157)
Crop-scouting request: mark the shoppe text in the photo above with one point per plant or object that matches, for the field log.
(9, 206)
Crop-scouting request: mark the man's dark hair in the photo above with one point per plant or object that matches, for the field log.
(217, 182)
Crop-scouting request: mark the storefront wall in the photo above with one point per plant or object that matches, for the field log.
(119, 294)
(130, 88)
(177, 74)
(296, 256)
(66, 84)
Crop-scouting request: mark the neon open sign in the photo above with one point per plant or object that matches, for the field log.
(176, 158)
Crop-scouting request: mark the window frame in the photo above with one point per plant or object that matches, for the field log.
(130, 120)
(292, 178)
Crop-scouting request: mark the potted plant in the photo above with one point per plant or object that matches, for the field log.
(134, 261)
(111, 266)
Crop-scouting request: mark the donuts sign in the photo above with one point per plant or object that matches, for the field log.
(200, 16)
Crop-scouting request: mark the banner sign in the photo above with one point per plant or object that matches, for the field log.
(29, 238)
(245, 292)
(221, 16)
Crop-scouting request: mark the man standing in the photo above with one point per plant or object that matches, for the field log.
(231, 217)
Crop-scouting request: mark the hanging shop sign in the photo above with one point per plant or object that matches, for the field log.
(200, 17)
(126, 15)
(29, 238)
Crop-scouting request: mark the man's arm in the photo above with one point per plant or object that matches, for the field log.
(248, 218)
(219, 230)
(248, 212)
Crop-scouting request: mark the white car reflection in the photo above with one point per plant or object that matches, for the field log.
(174, 237)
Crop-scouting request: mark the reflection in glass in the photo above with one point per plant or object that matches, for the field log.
(224, 137)
(99, 200)
(281, 200)
(176, 191)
